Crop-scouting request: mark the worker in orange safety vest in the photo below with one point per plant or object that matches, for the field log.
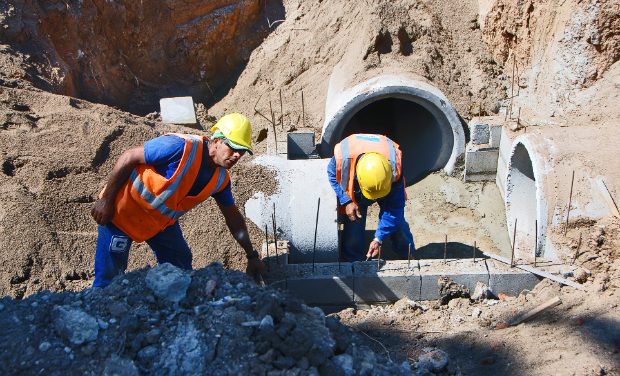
(153, 185)
(367, 168)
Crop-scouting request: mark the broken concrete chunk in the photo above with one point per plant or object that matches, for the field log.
(168, 282)
(345, 362)
(75, 325)
(482, 291)
(117, 366)
(433, 360)
(448, 290)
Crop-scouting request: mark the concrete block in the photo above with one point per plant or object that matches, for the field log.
(462, 271)
(300, 145)
(390, 282)
(328, 285)
(479, 133)
(177, 110)
(510, 281)
(495, 135)
(480, 163)
(301, 184)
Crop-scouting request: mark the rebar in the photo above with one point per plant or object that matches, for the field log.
(281, 112)
(570, 202)
(445, 249)
(267, 245)
(316, 226)
(409, 257)
(303, 109)
(535, 241)
(273, 126)
(514, 241)
(474, 251)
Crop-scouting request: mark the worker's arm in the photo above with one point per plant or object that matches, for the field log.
(351, 208)
(391, 216)
(103, 209)
(236, 224)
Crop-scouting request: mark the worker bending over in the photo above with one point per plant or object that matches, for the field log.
(366, 168)
(152, 185)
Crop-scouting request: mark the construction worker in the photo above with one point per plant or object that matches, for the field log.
(366, 168)
(152, 185)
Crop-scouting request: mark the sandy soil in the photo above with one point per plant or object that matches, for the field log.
(55, 152)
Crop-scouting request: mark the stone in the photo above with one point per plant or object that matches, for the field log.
(177, 110)
(482, 291)
(345, 362)
(44, 346)
(266, 322)
(580, 275)
(433, 360)
(75, 325)
(476, 312)
(117, 366)
(168, 282)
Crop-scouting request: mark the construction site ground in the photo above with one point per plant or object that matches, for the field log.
(73, 98)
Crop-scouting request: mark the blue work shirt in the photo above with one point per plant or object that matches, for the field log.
(392, 213)
(164, 153)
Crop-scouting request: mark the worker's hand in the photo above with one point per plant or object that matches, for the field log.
(102, 211)
(353, 211)
(374, 249)
(255, 267)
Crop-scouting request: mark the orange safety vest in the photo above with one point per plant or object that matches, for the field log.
(348, 150)
(148, 202)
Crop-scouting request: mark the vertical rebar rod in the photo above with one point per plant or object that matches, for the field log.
(281, 112)
(273, 127)
(267, 245)
(275, 236)
(445, 249)
(519, 116)
(303, 109)
(570, 202)
(379, 259)
(535, 241)
(514, 241)
(316, 227)
(409, 257)
(474, 251)
(577, 250)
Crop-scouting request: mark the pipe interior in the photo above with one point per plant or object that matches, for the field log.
(425, 138)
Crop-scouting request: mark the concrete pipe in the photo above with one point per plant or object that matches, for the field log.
(526, 205)
(535, 172)
(412, 112)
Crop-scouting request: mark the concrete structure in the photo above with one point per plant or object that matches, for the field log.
(407, 109)
(482, 152)
(177, 110)
(301, 184)
(335, 285)
(300, 145)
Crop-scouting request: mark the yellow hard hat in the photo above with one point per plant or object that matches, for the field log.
(237, 130)
(374, 174)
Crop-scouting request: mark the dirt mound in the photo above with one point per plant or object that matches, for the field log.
(163, 321)
(130, 54)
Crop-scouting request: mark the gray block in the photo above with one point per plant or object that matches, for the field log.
(300, 145)
(391, 282)
(328, 284)
(495, 137)
(480, 163)
(510, 281)
(479, 133)
(464, 272)
(177, 110)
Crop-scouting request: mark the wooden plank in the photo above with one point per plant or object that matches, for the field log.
(536, 271)
(607, 196)
(528, 315)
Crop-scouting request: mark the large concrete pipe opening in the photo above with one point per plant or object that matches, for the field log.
(413, 113)
(521, 202)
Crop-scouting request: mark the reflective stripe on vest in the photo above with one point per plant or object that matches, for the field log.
(346, 164)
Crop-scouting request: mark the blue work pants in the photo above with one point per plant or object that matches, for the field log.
(113, 251)
(353, 242)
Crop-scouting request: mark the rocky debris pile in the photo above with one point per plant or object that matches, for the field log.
(167, 321)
